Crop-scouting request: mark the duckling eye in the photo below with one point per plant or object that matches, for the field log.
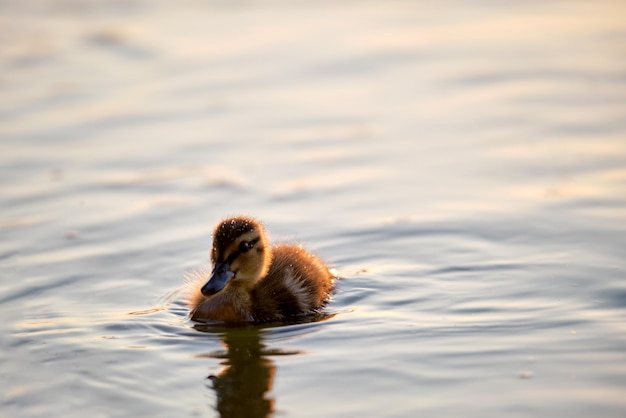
(244, 246)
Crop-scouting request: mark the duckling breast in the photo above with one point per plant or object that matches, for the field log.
(229, 305)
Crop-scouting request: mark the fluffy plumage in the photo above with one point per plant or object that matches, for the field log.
(253, 281)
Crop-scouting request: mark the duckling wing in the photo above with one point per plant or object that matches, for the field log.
(297, 283)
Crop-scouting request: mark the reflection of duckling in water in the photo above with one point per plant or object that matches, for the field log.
(242, 386)
(253, 281)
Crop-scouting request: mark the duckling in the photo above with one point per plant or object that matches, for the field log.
(253, 281)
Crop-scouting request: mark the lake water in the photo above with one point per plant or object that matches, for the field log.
(461, 164)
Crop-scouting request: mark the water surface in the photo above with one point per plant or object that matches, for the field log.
(463, 166)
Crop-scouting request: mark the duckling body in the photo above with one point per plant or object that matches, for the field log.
(253, 281)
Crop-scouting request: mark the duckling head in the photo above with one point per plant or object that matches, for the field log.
(240, 255)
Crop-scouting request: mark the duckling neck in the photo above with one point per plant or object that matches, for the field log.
(239, 290)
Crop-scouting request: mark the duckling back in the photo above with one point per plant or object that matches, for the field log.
(297, 283)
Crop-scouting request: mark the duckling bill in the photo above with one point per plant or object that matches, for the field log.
(253, 281)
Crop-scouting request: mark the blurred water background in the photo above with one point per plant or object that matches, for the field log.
(461, 164)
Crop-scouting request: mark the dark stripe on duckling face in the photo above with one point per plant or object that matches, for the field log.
(228, 231)
(221, 273)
